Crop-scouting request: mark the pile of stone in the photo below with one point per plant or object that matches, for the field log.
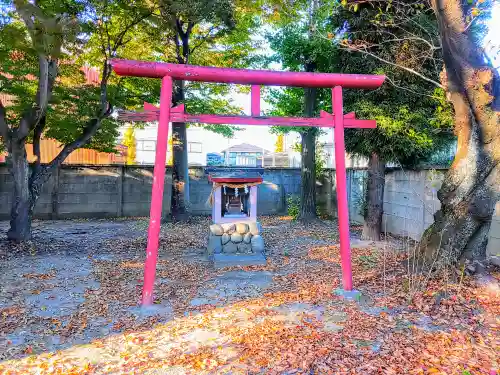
(240, 238)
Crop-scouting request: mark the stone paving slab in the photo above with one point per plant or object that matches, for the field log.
(226, 260)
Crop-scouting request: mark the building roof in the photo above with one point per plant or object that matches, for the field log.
(245, 147)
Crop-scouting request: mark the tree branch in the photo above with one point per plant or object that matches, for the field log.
(108, 39)
(4, 127)
(105, 108)
(37, 135)
(204, 38)
(178, 49)
(47, 66)
(106, 72)
(431, 46)
(23, 10)
(409, 90)
(119, 38)
(349, 48)
(103, 46)
(93, 125)
(189, 29)
(410, 19)
(91, 128)
(43, 83)
(178, 25)
(46, 79)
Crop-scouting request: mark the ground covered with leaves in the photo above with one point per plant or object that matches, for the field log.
(69, 305)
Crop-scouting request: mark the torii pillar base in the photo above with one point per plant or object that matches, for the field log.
(349, 295)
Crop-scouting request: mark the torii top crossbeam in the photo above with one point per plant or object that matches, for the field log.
(244, 76)
(165, 114)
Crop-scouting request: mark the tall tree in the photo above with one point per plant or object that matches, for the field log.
(299, 47)
(39, 47)
(279, 145)
(471, 186)
(202, 32)
(413, 117)
(130, 142)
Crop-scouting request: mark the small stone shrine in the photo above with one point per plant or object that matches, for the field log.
(235, 235)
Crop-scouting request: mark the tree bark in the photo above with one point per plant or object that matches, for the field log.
(308, 160)
(22, 202)
(374, 199)
(308, 139)
(308, 177)
(180, 172)
(471, 186)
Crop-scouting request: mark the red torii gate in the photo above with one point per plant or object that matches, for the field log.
(255, 78)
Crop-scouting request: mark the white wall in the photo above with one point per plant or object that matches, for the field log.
(146, 144)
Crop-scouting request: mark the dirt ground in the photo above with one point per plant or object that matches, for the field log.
(69, 305)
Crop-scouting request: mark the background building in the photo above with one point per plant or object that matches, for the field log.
(244, 154)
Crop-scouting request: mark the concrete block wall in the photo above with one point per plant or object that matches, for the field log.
(325, 193)
(136, 188)
(91, 192)
(493, 249)
(88, 192)
(271, 194)
(277, 185)
(410, 197)
(116, 191)
(326, 197)
(356, 185)
(410, 201)
(199, 191)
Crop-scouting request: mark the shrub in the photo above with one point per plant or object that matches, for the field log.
(293, 206)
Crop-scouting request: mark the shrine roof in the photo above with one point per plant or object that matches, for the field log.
(234, 176)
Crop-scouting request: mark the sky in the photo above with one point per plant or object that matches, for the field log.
(256, 135)
(491, 41)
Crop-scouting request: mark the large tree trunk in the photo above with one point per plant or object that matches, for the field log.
(308, 161)
(308, 140)
(22, 202)
(374, 199)
(471, 186)
(28, 183)
(180, 173)
(308, 177)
